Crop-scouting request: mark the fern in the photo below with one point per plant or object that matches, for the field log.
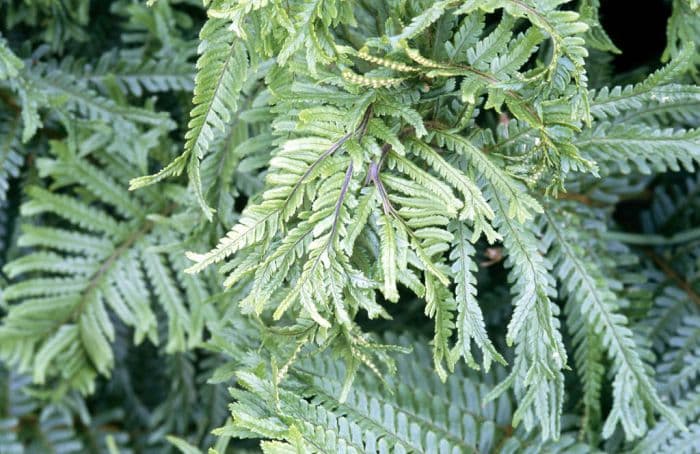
(596, 302)
(533, 328)
(11, 158)
(158, 76)
(67, 92)
(224, 66)
(10, 65)
(413, 226)
(634, 146)
(108, 264)
(662, 435)
(470, 323)
(417, 416)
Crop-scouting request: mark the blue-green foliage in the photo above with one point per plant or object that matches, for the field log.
(439, 226)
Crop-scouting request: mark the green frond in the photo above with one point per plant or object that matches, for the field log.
(564, 29)
(29, 424)
(433, 185)
(589, 359)
(470, 320)
(295, 166)
(657, 88)
(680, 365)
(487, 48)
(682, 28)
(520, 205)
(629, 147)
(156, 76)
(251, 228)
(64, 91)
(10, 65)
(11, 153)
(58, 324)
(223, 65)
(666, 437)
(422, 21)
(596, 37)
(591, 293)
(417, 416)
(465, 37)
(476, 209)
(533, 327)
(388, 256)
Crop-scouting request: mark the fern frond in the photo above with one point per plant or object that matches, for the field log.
(595, 37)
(644, 149)
(422, 21)
(136, 79)
(64, 89)
(417, 416)
(465, 37)
(679, 366)
(10, 65)
(223, 68)
(682, 29)
(388, 256)
(520, 205)
(533, 328)
(11, 153)
(665, 436)
(67, 286)
(608, 103)
(590, 292)
(568, 47)
(476, 209)
(470, 320)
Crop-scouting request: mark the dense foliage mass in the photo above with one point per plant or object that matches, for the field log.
(376, 226)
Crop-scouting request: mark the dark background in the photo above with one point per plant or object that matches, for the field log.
(638, 28)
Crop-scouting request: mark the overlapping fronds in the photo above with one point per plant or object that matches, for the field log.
(420, 414)
(437, 169)
(90, 258)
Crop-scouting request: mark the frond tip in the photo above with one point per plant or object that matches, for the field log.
(222, 71)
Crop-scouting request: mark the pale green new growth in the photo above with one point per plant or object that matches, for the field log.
(405, 226)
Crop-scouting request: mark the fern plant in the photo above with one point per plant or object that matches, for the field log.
(451, 226)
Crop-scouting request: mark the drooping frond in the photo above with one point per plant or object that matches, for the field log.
(533, 327)
(590, 292)
(223, 68)
(470, 320)
(11, 153)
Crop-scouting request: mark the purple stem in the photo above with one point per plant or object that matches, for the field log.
(362, 127)
(373, 175)
(341, 198)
